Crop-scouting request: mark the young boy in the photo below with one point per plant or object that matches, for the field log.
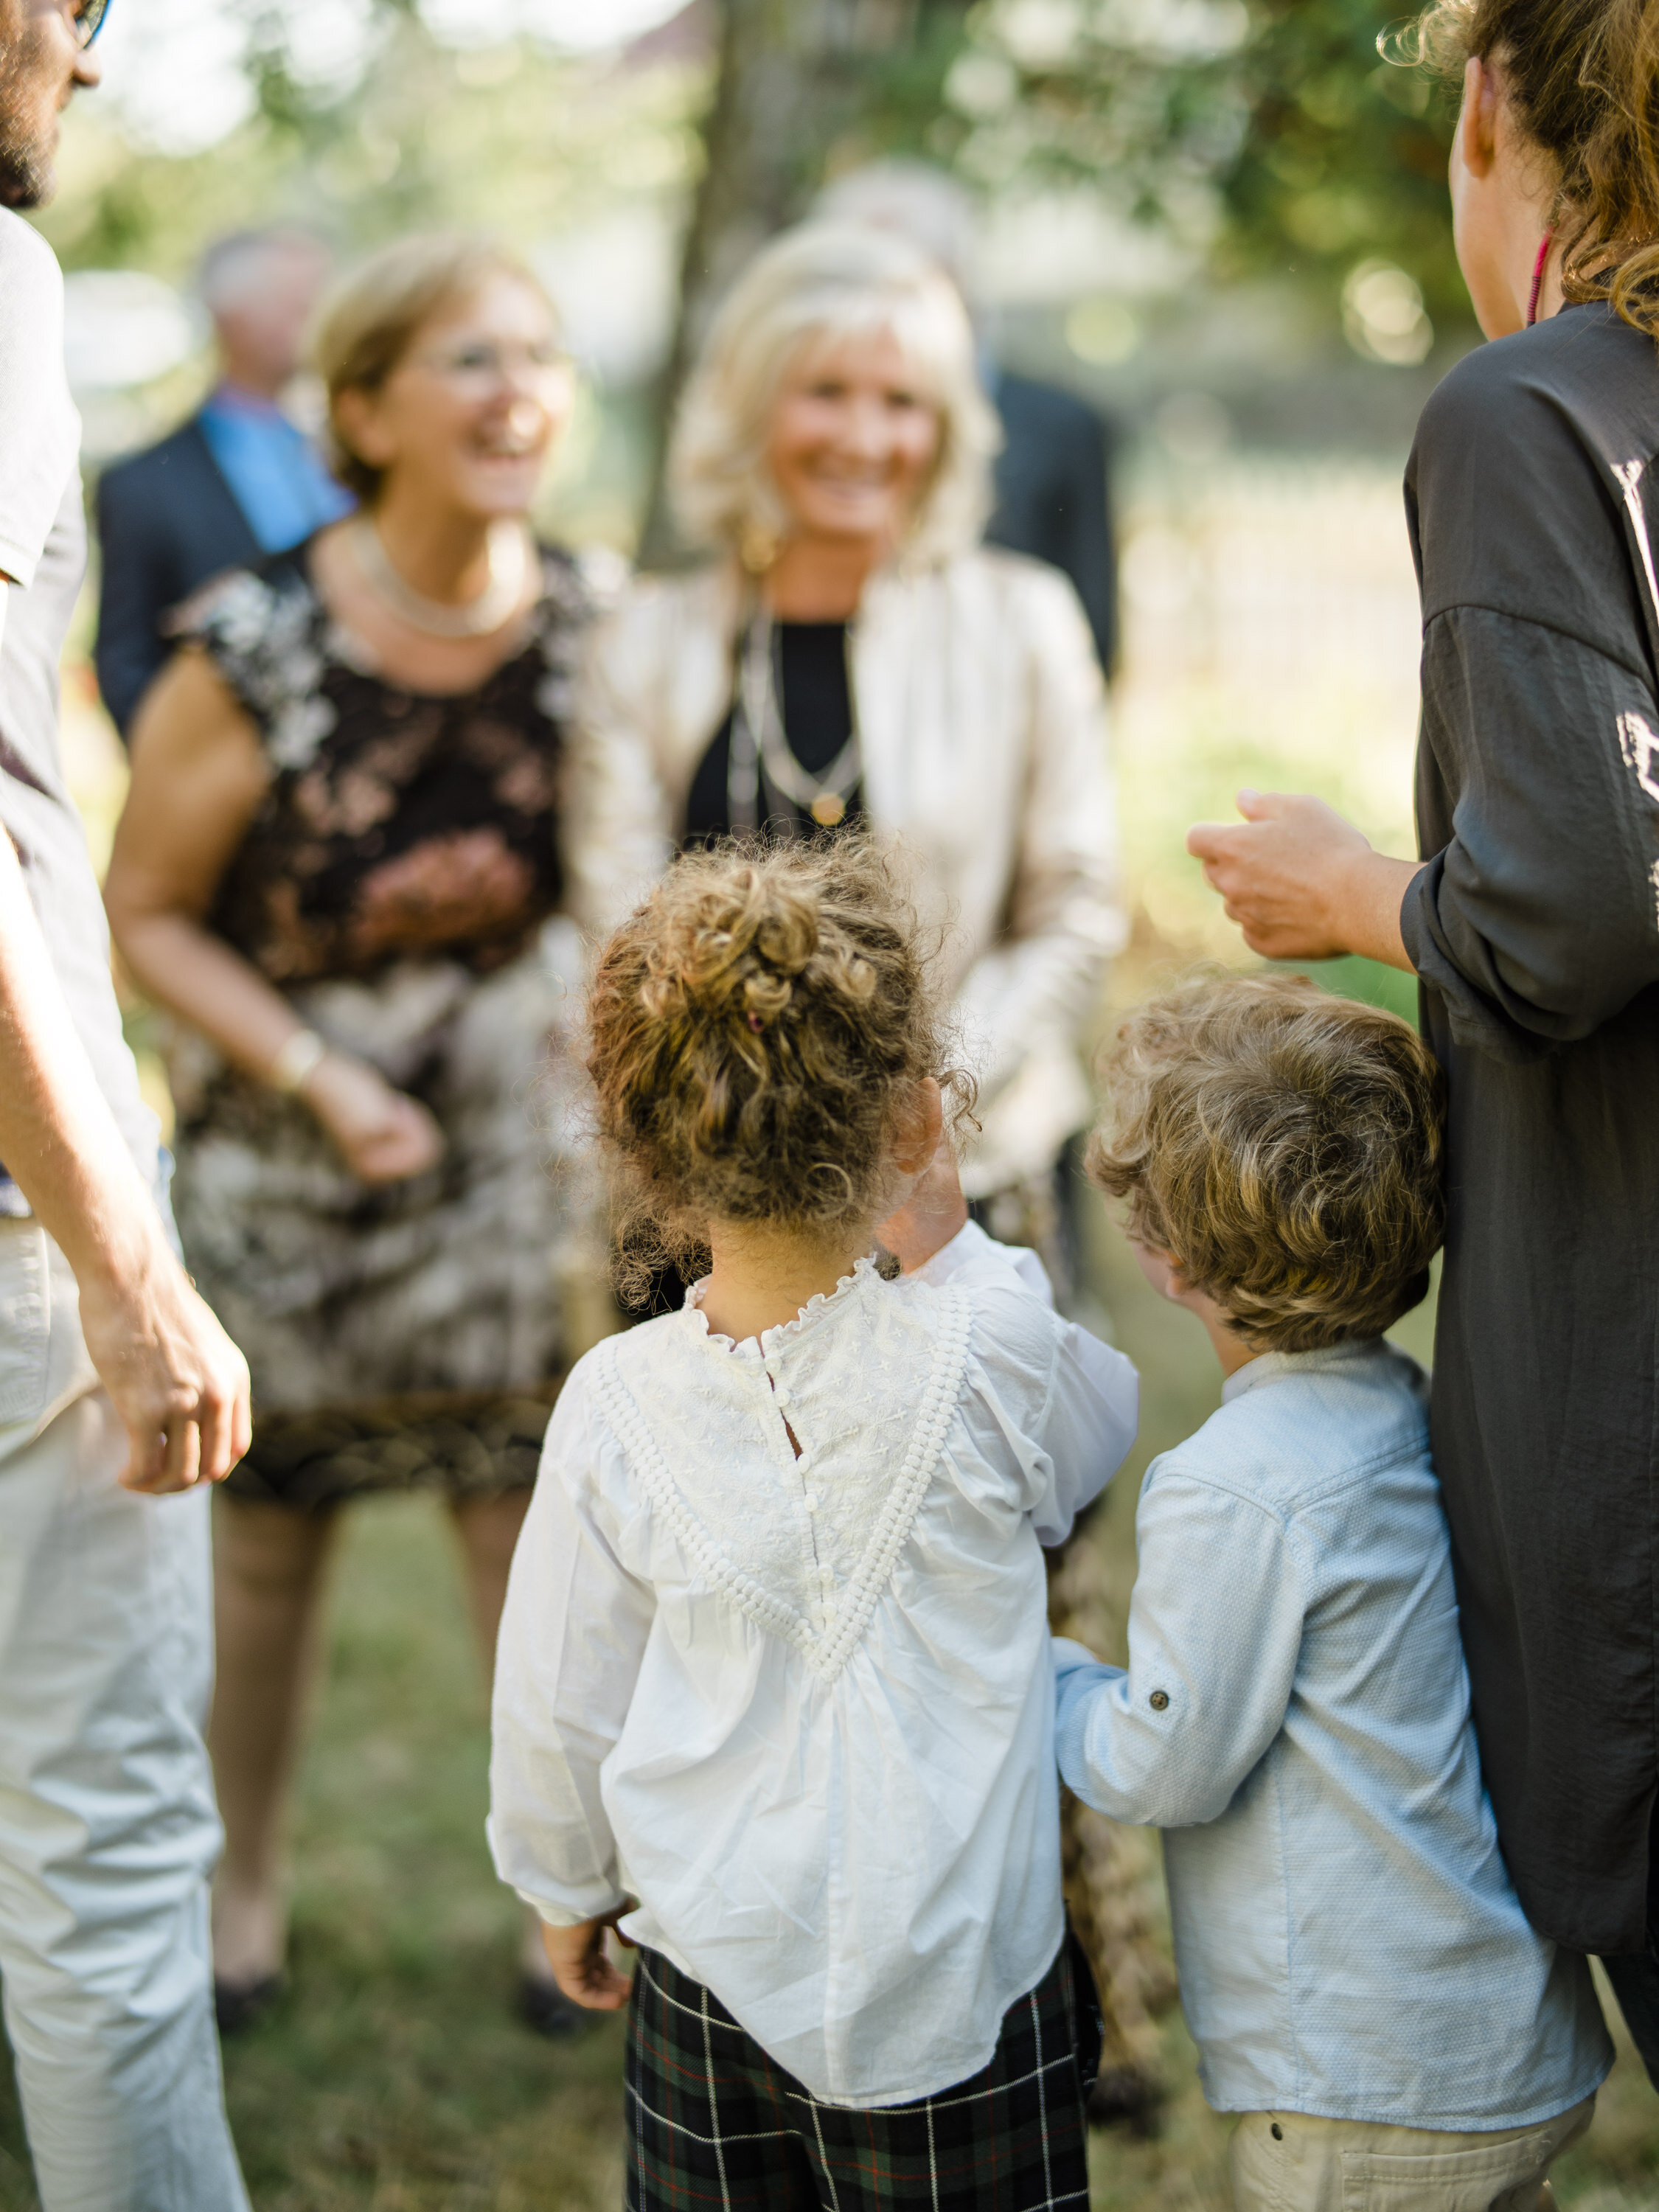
(1355, 1966)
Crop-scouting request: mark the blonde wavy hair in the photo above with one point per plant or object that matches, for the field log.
(1285, 1149)
(813, 286)
(374, 314)
(1582, 79)
(756, 1032)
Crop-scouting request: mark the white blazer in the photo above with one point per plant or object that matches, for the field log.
(983, 715)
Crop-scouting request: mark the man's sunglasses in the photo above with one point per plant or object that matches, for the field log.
(88, 17)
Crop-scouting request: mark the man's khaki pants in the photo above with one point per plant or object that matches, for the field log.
(108, 1827)
(1289, 2162)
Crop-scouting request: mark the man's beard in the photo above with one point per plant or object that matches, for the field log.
(26, 177)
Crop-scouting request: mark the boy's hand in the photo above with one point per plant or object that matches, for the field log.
(935, 1212)
(581, 1968)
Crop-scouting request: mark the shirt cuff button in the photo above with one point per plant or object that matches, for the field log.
(1159, 1701)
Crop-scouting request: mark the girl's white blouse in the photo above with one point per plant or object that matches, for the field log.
(803, 1708)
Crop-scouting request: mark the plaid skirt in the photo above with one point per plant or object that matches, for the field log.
(713, 2121)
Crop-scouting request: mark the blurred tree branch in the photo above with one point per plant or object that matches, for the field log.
(1261, 138)
(1273, 132)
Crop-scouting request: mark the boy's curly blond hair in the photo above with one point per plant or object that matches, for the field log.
(756, 1030)
(1285, 1148)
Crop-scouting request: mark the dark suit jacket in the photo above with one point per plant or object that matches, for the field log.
(1054, 497)
(167, 521)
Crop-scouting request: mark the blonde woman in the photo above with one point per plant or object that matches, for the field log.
(339, 865)
(850, 654)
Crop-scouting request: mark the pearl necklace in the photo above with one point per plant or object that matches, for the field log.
(496, 605)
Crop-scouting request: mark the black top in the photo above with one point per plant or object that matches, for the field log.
(815, 698)
(168, 522)
(397, 825)
(1535, 930)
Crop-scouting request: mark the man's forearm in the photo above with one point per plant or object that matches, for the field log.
(58, 1138)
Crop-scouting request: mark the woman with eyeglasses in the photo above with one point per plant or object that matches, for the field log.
(342, 868)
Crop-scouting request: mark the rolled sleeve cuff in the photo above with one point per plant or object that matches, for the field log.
(1078, 1676)
(1476, 1020)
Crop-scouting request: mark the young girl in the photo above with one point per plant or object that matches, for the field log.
(774, 1660)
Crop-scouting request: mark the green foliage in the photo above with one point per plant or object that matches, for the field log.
(512, 139)
(1345, 156)
(1269, 134)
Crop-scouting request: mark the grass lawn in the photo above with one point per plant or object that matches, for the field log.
(393, 2079)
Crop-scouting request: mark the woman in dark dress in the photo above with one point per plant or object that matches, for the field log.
(1532, 922)
(341, 866)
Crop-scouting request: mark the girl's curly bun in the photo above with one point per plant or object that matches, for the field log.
(754, 1030)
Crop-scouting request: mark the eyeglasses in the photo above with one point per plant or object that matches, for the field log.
(88, 17)
(483, 364)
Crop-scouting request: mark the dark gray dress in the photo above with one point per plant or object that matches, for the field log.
(1535, 930)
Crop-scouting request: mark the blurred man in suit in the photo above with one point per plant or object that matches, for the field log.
(235, 482)
(1053, 474)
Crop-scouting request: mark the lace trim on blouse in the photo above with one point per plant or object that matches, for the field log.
(829, 1642)
(774, 1339)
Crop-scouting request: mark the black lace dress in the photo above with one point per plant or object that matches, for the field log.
(401, 884)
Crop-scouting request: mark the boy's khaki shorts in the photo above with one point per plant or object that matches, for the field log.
(1290, 2162)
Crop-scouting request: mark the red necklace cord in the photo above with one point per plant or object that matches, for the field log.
(1539, 267)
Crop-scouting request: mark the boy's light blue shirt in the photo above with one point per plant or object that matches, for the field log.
(1296, 1716)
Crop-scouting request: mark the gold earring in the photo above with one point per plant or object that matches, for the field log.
(757, 548)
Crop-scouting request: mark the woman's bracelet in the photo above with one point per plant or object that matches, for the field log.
(296, 1061)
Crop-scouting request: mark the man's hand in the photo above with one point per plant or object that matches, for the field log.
(177, 1381)
(577, 1956)
(933, 1213)
(1301, 882)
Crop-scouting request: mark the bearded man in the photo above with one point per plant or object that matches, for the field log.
(121, 1399)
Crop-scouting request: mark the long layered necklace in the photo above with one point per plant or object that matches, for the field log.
(761, 764)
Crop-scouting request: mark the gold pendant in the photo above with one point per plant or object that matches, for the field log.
(829, 809)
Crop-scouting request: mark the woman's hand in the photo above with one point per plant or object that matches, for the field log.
(581, 1967)
(384, 1135)
(1301, 882)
